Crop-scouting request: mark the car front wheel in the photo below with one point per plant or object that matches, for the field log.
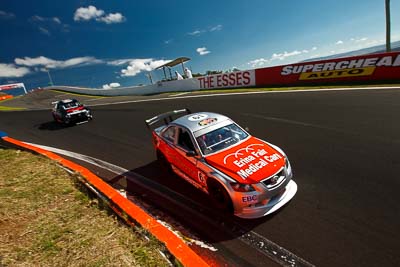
(220, 197)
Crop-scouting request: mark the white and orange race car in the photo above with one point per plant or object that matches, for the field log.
(243, 174)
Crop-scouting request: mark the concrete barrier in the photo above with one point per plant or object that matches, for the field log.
(372, 68)
(223, 80)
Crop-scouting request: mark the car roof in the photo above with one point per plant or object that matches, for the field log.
(200, 120)
(65, 101)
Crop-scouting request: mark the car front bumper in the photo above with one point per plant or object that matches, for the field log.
(78, 116)
(271, 206)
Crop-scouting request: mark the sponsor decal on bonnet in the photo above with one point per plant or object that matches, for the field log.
(250, 159)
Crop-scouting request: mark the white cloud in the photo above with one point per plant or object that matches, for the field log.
(56, 64)
(39, 19)
(119, 62)
(258, 62)
(284, 55)
(6, 15)
(138, 65)
(279, 56)
(340, 42)
(212, 29)
(216, 28)
(196, 32)
(202, 51)
(10, 70)
(56, 20)
(168, 41)
(45, 24)
(359, 40)
(375, 42)
(91, 12)
(87, 13)
(44, 31)
(111, 85)
(112, 18)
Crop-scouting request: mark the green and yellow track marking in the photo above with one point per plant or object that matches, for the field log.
(3, 108)
(77, 94)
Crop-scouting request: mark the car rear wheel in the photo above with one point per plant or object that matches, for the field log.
(220, 197)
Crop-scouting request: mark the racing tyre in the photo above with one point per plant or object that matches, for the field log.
(163, 162)
(220, 197)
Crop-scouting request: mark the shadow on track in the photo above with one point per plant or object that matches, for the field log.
(52, 126)
(184, 205)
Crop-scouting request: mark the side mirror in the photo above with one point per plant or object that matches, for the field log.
(191, 153)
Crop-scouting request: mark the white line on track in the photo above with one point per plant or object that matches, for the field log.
(94, 99)
(184, 93)
(94, 161)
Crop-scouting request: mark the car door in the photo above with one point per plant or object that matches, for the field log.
(177, 143)
(167, 146)
(188, 155)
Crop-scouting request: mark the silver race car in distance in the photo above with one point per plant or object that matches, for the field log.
(243, 174)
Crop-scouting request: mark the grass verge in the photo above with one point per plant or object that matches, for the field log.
(3, 108)
(46, 221)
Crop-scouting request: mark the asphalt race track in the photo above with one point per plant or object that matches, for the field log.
(344, 147)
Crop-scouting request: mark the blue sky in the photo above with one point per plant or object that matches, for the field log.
(103, 43)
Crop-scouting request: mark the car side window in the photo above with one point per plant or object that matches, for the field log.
(169, 134)
(184, 140)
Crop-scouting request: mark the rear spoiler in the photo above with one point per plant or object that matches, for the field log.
(166, 117)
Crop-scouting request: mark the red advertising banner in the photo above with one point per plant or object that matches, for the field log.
(228, 80)
(373, 67)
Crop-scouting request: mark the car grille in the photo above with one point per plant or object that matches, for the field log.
(274, 180)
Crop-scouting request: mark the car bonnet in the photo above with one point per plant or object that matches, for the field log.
(248, 162)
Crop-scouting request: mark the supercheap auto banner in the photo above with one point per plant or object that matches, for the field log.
(373, 67)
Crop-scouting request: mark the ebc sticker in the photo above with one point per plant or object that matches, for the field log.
(249, 199)
(207, 121)
(198, 117)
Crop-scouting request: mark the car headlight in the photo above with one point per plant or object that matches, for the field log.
(242, 187)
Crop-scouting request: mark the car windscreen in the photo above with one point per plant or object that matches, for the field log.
(72, 104)
(220, 138)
